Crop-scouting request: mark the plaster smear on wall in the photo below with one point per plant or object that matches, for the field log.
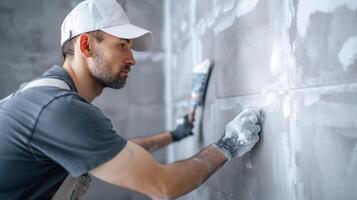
(271, 100)
(245, 6)
(276, 60)
(316, 97)
(348, 53)
(242, 8)
(280, 61)
(225, 13)
(308, 7)
(344, 120)
(311, 99)
(295, 184)
(338, 132)
(281, 157)
(286, 107)
(223, 6)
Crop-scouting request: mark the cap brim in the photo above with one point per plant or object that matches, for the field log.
(141, 38)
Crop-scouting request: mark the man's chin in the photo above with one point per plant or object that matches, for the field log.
(118, 84)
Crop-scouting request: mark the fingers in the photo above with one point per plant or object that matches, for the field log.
(183, 129)
(253, 119)
(242, 133)
(250, 120)
(249, 112)
(249, 115)
(180, 121)
(254, 129)
(186, 118)
(247, 130)
(188, 121)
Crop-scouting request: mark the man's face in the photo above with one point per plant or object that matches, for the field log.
(112, 60)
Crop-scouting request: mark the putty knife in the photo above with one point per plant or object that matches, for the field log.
(200, 78)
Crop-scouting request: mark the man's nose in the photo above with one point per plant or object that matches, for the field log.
(130, 60)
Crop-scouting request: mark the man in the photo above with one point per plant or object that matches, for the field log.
(49, 131)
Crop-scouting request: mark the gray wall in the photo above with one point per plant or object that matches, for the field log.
(29, 38)
(295, 59)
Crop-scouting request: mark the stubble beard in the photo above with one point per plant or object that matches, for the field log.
(101, 72)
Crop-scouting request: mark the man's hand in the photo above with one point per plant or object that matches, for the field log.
(183, 129)
(241, 134)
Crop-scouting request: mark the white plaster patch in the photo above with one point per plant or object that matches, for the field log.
(226, 5)
(271, 101)
(348, 53)
(286, 107)
(294, 176)
(249, 165)
(275, 60)
(224, 23)
(307, 7)
(242, 7)
(245, 6)
(184, 26)
(311, 99)
(289, 12)
(280, 162)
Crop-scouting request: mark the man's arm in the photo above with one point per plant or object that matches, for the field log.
(155, 142)
(152, 143)
(135, 169)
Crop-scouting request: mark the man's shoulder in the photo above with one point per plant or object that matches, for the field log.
(70, 106)
(44, 95)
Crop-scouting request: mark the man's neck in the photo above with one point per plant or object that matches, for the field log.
(87, 86)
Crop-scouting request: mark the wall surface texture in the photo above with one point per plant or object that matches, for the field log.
(30, 44)
(294, 59)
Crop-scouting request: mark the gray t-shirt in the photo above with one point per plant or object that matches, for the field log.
(46, 132)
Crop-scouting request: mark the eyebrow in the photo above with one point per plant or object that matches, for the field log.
(127, 40)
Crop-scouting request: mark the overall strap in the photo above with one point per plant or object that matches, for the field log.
(52, 82)
(73, 188)
(47, 82)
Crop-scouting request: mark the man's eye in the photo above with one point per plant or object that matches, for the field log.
(121, 45)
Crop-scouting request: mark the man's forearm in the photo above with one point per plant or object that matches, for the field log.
(135, 169)
(155, 142)
(186, 175)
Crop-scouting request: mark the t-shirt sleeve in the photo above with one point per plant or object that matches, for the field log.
(76, 135)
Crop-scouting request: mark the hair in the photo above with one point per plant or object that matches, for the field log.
(68, 46)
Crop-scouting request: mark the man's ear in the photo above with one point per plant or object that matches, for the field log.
(84, 46)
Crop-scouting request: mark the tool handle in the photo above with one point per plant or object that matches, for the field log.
(191, 115)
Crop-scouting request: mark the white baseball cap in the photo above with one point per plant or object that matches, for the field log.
(107, 16)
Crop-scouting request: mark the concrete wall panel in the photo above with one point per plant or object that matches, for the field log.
(297, 61)
(30, 44)
(326, 142)
(241, 53)
(324, 56)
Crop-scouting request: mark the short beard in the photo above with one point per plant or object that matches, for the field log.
(101, 72)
